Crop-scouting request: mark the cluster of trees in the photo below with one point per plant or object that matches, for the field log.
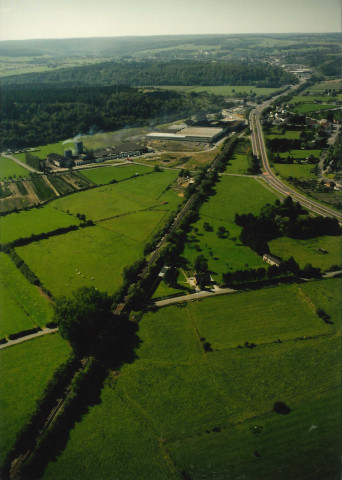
(287, 218)
(176, 72)
(32, 116)
(253, 164)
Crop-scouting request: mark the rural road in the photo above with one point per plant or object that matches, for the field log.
(22, 164)
(44, 331)
(194, 296)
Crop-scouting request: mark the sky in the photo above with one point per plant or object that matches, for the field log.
(26, 19)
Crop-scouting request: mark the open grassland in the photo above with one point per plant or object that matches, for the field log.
(312, 107)
(21, 305)
(25, 370)
(295, 170)
(91, 256)
(233, 195)
(104, 175)
(127, 197)
(195, 412)
(307, 251)
(8, 168)
(34, 221)
(328, 84)
(261, 316)
(312, 98)
(238, 162)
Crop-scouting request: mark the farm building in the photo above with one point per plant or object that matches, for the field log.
(271, 260)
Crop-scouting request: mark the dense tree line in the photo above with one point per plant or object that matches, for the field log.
(177, 72)
(288, 219)
(32, 115)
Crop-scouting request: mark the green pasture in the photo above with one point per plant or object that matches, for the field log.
(25, 370)
(328, 84)
(261, 316)
(96, 252)
(34, 221)
(311, 99)
(307, 251)
(301, 446)
(230, 90)
(233, 195)
(238, 161)
(8, 168)
(127, 197)
(311, 107)
(21, 305)
(294, 170)
(104, 175)
(174, 395)
(290, 134)
(303, 154)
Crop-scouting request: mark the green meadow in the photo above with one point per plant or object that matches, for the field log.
(307, 251)
(290, 134)
(127, 197)
(222, 89)
(44, 150)
(25, 370)
(126, 214)
(312, 107)
(33, 222)
(303, 154)
(8, 168)
(233, 195)
(206, 414)
(104, 175)
(21, 305)
(295, 170)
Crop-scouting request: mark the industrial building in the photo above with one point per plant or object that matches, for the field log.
(191, 134)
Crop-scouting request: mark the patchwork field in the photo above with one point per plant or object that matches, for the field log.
(34, 221)
(21, 306)
(307, 251)
(126, 214)
(206, 414)
(233, 195)
(25, 370)
(104, 175)
(8, 168)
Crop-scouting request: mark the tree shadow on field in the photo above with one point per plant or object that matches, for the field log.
(85, 394)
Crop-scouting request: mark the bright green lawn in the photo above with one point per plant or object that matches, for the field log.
(9, 168)
(237, 164)
(306, 251)
(234, 195)
(21, 305)
(174, 393)
(295, 170)
(104, 175)
(25, 370)
(231, 90)
(34, 221)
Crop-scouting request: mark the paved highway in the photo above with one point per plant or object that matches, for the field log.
(259, 149)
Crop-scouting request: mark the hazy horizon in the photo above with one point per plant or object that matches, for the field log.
(66, 19)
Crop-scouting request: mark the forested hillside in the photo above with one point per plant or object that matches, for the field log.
(32, 115)
(163, 73)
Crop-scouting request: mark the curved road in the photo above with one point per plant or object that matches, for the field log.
(259, 149)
